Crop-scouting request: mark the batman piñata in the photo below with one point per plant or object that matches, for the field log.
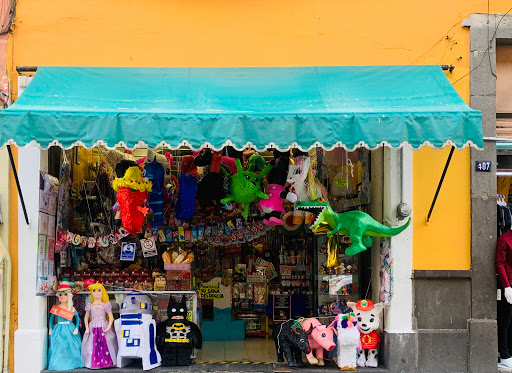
(177, 337)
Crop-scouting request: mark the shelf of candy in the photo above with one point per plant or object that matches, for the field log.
(113, 279)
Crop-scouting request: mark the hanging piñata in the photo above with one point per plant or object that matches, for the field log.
(132, 194)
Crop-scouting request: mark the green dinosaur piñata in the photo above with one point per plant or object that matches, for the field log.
(358, 225)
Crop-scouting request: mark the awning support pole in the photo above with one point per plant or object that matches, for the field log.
(440, 182)
(15, 173)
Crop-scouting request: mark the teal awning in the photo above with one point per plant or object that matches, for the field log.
(281, 107)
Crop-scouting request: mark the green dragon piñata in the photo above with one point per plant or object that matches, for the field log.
(358, 225)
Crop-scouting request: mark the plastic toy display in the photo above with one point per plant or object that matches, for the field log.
(99, 346)
(64, 338)
(177, 337)
(320, 337)
(136, 332)
(358, 225)
(368, 322)
(291, 341)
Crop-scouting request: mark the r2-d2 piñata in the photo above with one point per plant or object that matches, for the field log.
(136, 332)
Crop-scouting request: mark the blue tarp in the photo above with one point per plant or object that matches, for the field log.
(260, 107)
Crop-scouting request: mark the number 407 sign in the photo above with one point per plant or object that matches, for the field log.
(483, 166)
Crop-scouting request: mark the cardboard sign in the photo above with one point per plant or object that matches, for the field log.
(58, 311)
(210, 291)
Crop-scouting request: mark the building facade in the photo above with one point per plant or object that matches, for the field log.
(442, 317)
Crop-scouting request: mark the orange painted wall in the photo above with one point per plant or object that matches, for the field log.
(276, 33)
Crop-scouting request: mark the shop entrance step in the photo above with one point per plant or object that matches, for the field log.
(232, 367)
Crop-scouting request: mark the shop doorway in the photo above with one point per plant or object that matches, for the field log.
(241, 277)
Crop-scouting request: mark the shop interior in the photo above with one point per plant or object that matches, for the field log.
(241, 276)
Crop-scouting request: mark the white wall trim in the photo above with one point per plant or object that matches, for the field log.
(30, 339)
(398, 186)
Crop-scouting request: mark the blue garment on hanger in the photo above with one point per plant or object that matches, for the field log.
(186, 202)
(155, 172)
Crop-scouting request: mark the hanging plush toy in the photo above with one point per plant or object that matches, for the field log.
(256, 163)
(185, 204)
(245, 187)
(276, 191)
(131, 195)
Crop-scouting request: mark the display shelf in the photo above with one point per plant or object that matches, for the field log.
(144, 292)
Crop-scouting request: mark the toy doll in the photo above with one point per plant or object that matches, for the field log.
(276, 191)
(64, 338)
(99, 346)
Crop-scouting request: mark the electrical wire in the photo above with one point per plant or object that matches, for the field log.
(487, 50)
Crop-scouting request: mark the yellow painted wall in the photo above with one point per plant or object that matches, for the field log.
(445, 242)
(276, 33)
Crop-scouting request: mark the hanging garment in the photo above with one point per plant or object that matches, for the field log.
(155, 172)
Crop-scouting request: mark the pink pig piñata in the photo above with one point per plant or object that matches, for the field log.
(320, 337)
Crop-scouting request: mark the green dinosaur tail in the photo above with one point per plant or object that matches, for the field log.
(380, 230)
